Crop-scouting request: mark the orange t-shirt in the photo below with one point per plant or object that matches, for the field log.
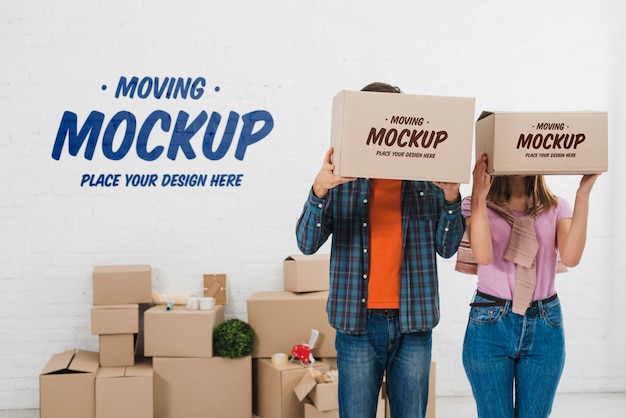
(385, 221)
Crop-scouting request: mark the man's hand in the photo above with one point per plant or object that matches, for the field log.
(326, 179)
(450, 190)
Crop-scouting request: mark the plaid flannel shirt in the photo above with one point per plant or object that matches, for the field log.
(430, 226)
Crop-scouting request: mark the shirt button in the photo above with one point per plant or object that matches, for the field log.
(364, 200)
(318, 224)
(319, 205)
(362, 300)
(446, 229)
(364, 224)
(365, 277)
(421, 193)
(364, 250)
(450, 212)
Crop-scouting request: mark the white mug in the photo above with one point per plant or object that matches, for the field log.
(206, 303)
(192, 303)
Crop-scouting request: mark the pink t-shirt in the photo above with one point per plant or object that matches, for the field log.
(498, 277)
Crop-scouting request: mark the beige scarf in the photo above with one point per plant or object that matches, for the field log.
(521, 249)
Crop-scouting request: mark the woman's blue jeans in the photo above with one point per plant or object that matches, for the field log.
(513, 362)
(362, 360)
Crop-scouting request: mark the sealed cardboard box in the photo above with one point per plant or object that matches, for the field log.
(114, 285)
(402, 136)
(202, 387)
(282, 319)
(306, 273)
(117, 350)
(532, 143)
(125, 392)
(274, 388)
(180, 332)
(67, 385)
(115, 319)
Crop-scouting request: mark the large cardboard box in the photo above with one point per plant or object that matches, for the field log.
(117, 350)
(180, 332)
(282, 319)
(125, 392)
(274, 388)
(306, 273)
(402, 136)
(114, 285)
(202, 387)
(115, 319)
(432, 388)
(67, 385)
(311, 412)
(531, 143)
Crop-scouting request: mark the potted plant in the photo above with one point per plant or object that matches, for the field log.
(233, 338)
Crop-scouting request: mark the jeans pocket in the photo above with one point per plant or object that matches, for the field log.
(485, 314)
(553, 315)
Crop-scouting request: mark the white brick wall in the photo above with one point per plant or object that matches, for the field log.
(288, 58)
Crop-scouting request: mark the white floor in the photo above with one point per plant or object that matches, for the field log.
(596, 405)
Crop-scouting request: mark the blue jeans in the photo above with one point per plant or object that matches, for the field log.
(513, 362)
(362, 360)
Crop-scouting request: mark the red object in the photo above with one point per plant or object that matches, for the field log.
(303, 353)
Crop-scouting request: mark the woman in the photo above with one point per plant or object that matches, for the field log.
(514, 347)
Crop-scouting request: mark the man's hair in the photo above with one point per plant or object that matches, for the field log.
(381, 87)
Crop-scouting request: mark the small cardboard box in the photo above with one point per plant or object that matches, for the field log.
(115, 319)
(306, 273)
(282, 319)
(323, 395)
(67, 385)
(402, 136)
(180, 332)
(274, 388)
(532, 143)
(125, 392)
(115, 285)
(202, 387)
(311, 412)
(117, 350)
(215, 287)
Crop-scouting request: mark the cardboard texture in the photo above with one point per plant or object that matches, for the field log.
(311, 412)
(180, 332)
(531, 143)
(402, 136)
(115, 319)
(282, 319)
(323, 395)
(306, 273)
(117, 350)
(66, 385)
(214, 285)
(432, 389)
(202, 387)
(274, 388)
(125, 392)
(114, 285)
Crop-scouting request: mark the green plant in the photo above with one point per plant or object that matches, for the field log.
(233, 338)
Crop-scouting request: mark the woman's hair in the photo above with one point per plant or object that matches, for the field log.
(536, 189)
(381, 87)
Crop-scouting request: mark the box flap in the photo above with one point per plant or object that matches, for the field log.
(59, 362)
(111, 372)
(142, 369)
(311, 257)
(484, 114)
(85, 361)
(304, 386)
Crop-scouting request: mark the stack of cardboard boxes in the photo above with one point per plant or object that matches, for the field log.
(173, 373)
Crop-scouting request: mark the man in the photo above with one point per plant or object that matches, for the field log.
(383, 299)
